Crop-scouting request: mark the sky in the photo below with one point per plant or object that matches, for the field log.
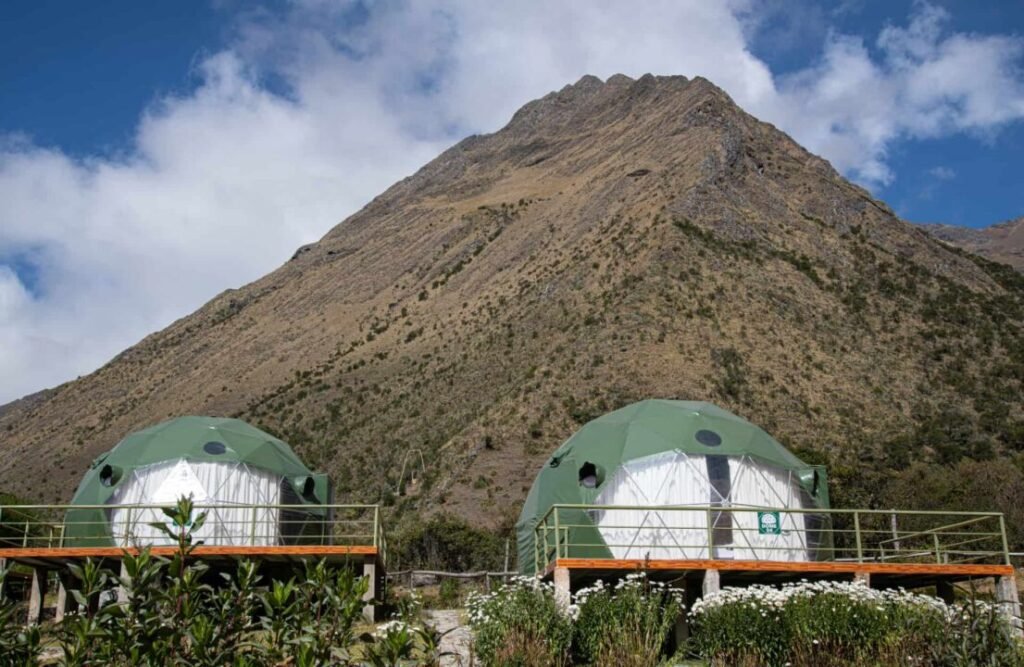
(153, 155)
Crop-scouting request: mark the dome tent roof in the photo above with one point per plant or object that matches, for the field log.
(193, 439)
(643, 429)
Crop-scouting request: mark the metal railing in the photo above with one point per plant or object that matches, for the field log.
(69, 526)
(657, 532)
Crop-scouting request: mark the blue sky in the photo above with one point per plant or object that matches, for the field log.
(143, 143)
(78, 74)
(971, 179)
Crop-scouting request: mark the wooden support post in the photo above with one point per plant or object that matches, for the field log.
(863, 578)
(372, 589)
(36, 595)
(944, 589)
(712, 582)
(65, 601)
(681, 631)
(563, 590)
(1009, 601)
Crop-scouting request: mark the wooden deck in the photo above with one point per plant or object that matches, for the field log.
(59, 556)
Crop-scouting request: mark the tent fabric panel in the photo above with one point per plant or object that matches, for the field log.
(221, 484)
(670, 478)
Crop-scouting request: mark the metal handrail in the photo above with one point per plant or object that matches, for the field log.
(229, 524)
(964, 536)
(930, 531)
(197, 506)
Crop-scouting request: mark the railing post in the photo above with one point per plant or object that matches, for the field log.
(252, 527)
(856, 532)
(895, 532)
(1006, 544)
(376, 522)
(711, 534)
(558, 537)
(538, 547)
(938, 556)
(129, 530)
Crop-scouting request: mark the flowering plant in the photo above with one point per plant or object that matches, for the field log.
(626, 624)
(520, 625)
(841, 623)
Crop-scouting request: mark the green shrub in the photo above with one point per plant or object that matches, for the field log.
(519, 625)
(448, 594)
(170, 613)
(626, 625)
(822, 624)
(446, 542)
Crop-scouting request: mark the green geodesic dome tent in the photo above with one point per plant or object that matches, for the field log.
(672, 454)
(243, 472)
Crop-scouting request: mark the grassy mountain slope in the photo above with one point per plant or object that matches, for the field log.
(614, 241)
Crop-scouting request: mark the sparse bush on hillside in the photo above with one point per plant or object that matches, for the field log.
(448, 543)
(731, 381)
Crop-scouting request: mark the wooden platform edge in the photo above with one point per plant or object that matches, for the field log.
(59, 553)
(822, 567)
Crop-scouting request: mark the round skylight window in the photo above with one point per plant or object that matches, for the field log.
(708, 438)
(215, 448)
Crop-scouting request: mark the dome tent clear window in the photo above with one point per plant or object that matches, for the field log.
(253, 487)
(677, 455)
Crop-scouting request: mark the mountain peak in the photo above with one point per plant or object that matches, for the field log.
(590, 96)
(616, 240)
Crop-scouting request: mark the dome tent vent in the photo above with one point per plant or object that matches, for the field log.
(110, 475)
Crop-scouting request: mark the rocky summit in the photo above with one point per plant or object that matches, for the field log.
(617, 240)
(1003, 242)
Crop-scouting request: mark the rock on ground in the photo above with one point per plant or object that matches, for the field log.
(457, 641)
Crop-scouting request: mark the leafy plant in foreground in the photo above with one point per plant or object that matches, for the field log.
(626, 625)
(19, 645)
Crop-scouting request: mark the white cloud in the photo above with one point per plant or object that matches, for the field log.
(308, 114)
(942, 173)
(851, 107)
